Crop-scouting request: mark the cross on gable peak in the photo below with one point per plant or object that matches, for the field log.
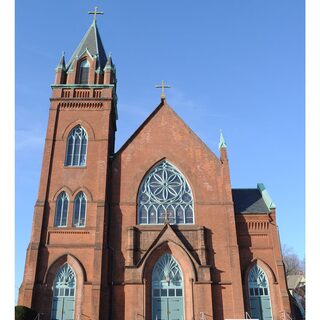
(162, 86)
(95, 12)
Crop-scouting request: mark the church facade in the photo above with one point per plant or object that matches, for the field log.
(152, 231)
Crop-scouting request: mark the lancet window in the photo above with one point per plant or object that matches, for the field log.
(79, 210)
(76, 147)
(61, 215)
(165, 195)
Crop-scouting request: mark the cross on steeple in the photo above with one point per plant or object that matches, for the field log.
(95, 12)
(162, 86)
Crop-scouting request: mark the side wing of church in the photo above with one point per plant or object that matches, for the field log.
(152, 231)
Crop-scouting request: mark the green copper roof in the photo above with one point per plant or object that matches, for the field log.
(92, 43)
(266, 197)
(222, 143)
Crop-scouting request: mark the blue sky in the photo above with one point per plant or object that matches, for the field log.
(235, 65)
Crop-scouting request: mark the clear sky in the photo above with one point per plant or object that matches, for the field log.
(237, 65)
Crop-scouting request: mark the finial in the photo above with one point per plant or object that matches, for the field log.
(95, 12)
(162, 86)
(222, 143)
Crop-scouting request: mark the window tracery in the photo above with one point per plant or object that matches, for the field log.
(76, 147)
(165, 195)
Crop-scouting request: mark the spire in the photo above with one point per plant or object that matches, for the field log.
(109, 63)
(92, 43)
(62, 63)
(222, 143)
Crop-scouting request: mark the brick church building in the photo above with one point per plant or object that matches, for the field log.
(151, 231)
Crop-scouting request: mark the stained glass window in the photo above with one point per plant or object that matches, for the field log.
(62, 205)
(165, 194)
(79, 210)
(76, 147)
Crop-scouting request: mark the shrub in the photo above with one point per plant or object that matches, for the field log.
(24, 313)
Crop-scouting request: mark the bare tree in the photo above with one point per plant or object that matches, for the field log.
(293, 264)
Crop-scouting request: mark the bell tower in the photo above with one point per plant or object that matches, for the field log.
(68, 251)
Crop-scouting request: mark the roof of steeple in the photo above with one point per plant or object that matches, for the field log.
(62, 63)
(91, 42)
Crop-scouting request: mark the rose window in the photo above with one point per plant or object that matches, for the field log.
(165, 195)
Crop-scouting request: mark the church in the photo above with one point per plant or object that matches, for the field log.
(151, 231)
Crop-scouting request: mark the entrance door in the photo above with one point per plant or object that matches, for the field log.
(63, 299)
(63, 308)
(259, 296)
(167, 290)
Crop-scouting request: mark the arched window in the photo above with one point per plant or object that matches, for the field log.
(76, 147)
(79, 210)
(259, 294)
(165, 195)
(167, 289)
(63, 299)
(83, 75)
(62, 205)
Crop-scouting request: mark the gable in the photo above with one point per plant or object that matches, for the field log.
(164, 135)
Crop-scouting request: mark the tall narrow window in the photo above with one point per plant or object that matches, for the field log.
(63, 299)
(79, 211)
(83, 72)
(165, 195)
(62, 205)
(76, 147)
(259, 294)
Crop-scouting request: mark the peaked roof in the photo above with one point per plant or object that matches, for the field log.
(248, 201)
(62, 63)
(91, 42)
(163, 104)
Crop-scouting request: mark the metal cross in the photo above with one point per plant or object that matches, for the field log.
(95, 12)
(162, 86)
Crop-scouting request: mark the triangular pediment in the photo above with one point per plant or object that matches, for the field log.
(165, 122)
(167, 234)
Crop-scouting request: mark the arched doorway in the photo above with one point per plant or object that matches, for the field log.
(63, 300)
(167, 290)
(259, 294)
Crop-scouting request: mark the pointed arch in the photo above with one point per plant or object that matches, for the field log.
(165, 193)
(62, 208)
(186, 264)
(258, 288)
(80, 278)
(65, 189)
(76, 149)
(79, 210)
(85, 190)
(86, 125)
(265, 266)
(167, 288)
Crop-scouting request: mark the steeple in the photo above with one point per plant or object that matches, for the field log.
(91, 43)
(61, 71)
